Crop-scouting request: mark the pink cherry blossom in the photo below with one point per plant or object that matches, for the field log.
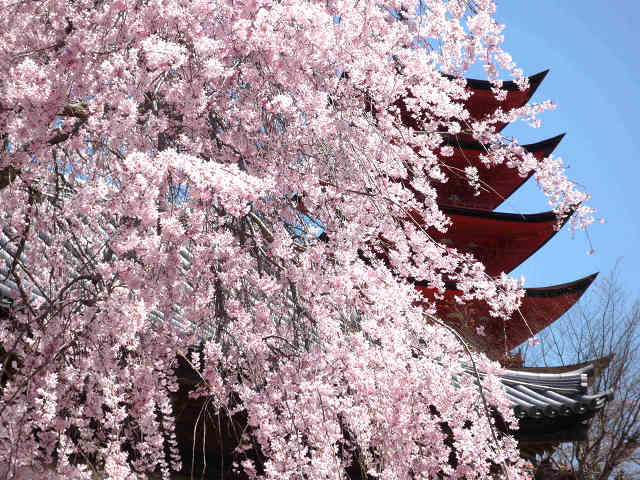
(231, 176)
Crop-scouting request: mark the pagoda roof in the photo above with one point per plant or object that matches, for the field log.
(483, 101)
(497, 182)
(540, 308)
(552, 407)
(501, 241)
(553, 403)
(544, 305)
(546, 396)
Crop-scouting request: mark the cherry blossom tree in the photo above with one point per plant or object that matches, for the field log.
(167, 169)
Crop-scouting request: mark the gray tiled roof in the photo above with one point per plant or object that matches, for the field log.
(9, 287)
(552, 394)
(547, 396)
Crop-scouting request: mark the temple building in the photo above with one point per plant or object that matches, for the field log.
(552, 403)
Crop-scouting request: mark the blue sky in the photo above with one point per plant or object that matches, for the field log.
(590, 48)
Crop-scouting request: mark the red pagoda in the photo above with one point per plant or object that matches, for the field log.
(501, 241)
(553, 404)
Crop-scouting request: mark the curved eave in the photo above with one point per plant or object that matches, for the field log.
(513, 218)
(551, 405)
(509, 85)
(540, 307)
(552, 396)
(543, 306)
(483, 102)
(501, 241)
(497, 182)
(562, 290)
(548, 145)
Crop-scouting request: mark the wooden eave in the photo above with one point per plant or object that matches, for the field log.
(501, 241)
(540, 308)
(483, 101)
(497, 182)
